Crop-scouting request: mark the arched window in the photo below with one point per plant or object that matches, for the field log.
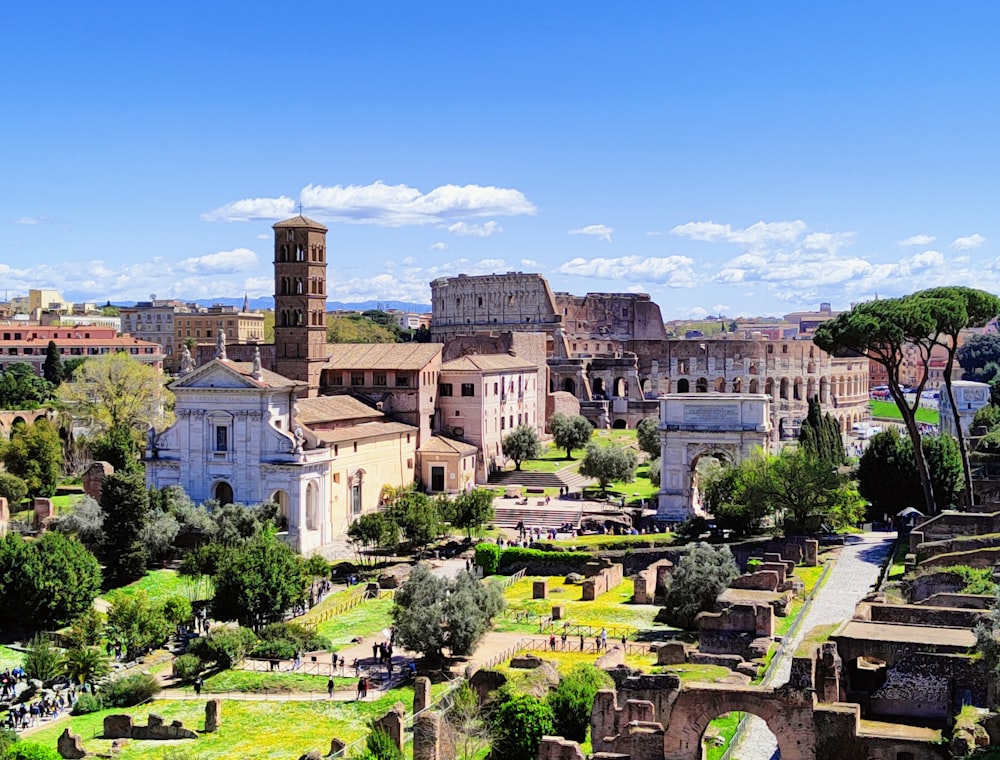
(683, 386)
(720, 385)
(223, 493)
(784, 388)
(701, 386)
(312, 506)
(753, 385)
(797, 389)
(738, 385)
(769, 387)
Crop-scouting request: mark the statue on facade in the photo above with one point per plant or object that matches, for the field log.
(187, 363)
(220, 345)
(257, 372)
(300, 439)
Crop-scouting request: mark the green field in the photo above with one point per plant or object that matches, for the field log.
(610, 609)
(366, 619)
(258, 729)
(159, 585)
(10, 658)
(723, 728)
(593, 541)
(887, 410)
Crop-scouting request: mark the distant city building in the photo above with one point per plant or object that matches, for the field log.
(29, 343)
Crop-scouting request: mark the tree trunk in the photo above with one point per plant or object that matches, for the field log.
(963, 449)
(910, 420)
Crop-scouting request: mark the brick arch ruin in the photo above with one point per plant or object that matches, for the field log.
(789, 720)
(7, 419)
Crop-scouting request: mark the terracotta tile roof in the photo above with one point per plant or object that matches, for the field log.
(271, 379)
(334, 409)
(441, 445)
(299, 221)
(363, 430)
(387, 356)
(487, 363)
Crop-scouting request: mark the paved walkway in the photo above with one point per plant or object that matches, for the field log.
(851, 578)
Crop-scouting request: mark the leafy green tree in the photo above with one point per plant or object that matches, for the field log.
(158, 535)
(417, 516)
(225, 646)
(648, 434)
(800, 486)
(24, 750)
(882, 330)
(358, 330)
(371, 532)
(432, 613)
(70, 366)
(987, 417)
(570, 432)
(653, 471)
(257, 581)
(959, 308)
(45, 584)
(519, 722)
(119, 447)
(977, 352)
(117, 391)
(887, 472)
(735, 496)
(85, 663)
(522, 443)
(137, 623)
(12, 488)
(125, 502)
(87, 629)
(820, 435)
(86, 522)
(608, 464)
(471, 510)
(573, 700)
(700, 576)
(52, 369)
(21, 388)
(42, 660)
(34, 454)
(177, 610)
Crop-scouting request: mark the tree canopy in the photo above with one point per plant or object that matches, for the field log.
(125, 503)
(648, 434)
(522, 443)
(700, 576)
(471, 510)
(21, 388)
(570, 432)
(820, 435)
(34, 454)
(432, 613)
(608, 464)
(52, 370)
(118, 391)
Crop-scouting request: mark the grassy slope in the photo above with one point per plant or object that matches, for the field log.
(887, 410)
(162, 584)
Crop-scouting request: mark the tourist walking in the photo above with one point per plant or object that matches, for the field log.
(329, 688)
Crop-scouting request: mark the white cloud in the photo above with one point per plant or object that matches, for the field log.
(721, 308)
(265, 236)
(223, 262)
(382, 204)
(756, 235)
(654, 233)
(252, 208)
(532, 265)
(436, 247)
(600, 231)
(673, 271)
(917, 240)
(479, 230)
(33, 220)
(967, 243)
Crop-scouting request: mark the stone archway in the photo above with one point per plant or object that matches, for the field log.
(790, 721)
(693, 425)
(222, 492)
(569, 386)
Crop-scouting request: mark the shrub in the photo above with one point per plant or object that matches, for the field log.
(520, 722)
(296, 635)
(380, 746)
(573, 700)
(488, 557)
(517, 556)
(31, 751)
(186, 667)
(702, 573)
(130, 691)
(43, 661)
(177, 610)
(87, 703)
(225, 646)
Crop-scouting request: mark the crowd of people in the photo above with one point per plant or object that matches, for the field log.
(49, 705)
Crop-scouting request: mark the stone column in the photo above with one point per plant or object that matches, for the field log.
(421, 693)
(213, 715)
(427, 737)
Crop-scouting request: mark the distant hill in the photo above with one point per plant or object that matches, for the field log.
(267, 302)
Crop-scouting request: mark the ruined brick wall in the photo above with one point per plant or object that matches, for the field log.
(979, 558)
(909, 614)
(563, 403)
(930, 549)
(606, 579)
(951, 524)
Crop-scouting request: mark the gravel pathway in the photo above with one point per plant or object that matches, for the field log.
(851, 578)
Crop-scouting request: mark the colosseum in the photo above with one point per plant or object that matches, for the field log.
(611, 352)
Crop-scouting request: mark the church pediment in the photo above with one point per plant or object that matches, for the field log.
(214, 374)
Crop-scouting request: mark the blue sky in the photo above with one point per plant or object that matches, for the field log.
(729, 157)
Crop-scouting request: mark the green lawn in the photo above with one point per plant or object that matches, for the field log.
(696, 673)
(255, 682)
(264, 729)
(887, 410)
(10, 658)
(364, 620)
(162, 584)
(612, 608)
(599, 541)
(723, 727)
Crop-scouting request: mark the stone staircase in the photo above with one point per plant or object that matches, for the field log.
(568, 477)
(536, 513)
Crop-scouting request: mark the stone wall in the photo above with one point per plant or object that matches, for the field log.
(605, 579)
(908, 614)
(980, 558)
(950, 524)
(963, 601)
(93, 479)
(930, 549)
(648, 584)
(930, 584)
(762, 580)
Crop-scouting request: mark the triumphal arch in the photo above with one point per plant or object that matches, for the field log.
(693, 425)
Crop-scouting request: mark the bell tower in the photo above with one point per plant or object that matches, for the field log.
(300, 300)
